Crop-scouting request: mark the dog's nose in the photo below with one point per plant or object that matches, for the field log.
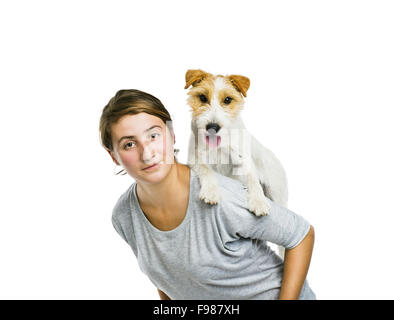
(212, 126)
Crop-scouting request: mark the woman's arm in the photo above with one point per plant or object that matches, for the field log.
(296, 265)
(163, 296)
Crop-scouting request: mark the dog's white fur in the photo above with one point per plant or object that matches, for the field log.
(245, 159)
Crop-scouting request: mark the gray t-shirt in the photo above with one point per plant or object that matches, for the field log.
(218, 251)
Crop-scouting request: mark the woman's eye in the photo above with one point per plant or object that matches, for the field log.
(203, 98)
(129, 145)
(154, 135)
(228, 100)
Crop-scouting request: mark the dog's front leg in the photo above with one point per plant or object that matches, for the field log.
(257, 201)
(245, 171)
(209, 191)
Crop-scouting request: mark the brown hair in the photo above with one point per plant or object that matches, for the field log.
(130, 102)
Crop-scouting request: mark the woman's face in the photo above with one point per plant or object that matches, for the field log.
(143, 146)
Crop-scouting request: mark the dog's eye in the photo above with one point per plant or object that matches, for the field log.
(228, 100)
(203, 98)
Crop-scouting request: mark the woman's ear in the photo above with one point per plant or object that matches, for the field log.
(172, 133)
(113, 157)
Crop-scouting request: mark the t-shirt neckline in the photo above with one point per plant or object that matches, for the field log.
(178, 227)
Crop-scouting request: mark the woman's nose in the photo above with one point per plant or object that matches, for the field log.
(147, 153)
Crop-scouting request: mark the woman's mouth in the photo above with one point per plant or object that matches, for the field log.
(152, 167)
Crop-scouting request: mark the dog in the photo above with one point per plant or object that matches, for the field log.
(220, 142)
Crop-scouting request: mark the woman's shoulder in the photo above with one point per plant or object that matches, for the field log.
(229, 184)
(231, 190)
(122, 218)
(122, 205)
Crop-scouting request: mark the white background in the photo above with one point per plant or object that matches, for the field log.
(321, 97)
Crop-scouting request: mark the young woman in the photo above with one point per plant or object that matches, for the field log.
(190, 249)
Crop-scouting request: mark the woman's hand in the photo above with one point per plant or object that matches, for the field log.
(162, 295)
(296, 265)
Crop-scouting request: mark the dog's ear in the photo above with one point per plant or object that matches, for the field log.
(240, 82)
(193, 76)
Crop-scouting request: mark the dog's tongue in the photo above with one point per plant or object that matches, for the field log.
(213, 141)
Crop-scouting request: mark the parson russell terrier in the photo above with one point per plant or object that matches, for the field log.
(219, 141)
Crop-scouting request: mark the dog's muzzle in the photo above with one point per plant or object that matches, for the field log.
(212, 139)
(212, 128)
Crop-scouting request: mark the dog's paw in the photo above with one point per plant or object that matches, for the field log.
(210, 193)
(258, 204)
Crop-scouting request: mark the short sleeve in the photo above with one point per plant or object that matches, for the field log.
(281, 226)
(122, 221)
(118, 228)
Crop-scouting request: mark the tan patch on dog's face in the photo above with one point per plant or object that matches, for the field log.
(230, 98)
(196, 95)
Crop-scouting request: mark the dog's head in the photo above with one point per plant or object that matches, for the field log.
(216, 101)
